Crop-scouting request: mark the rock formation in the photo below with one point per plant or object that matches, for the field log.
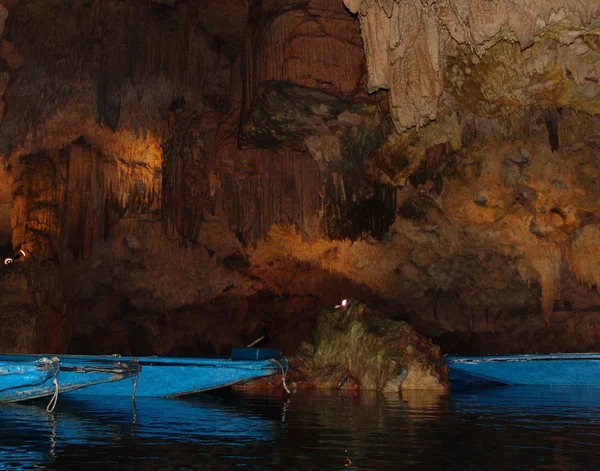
(356, 347)
(419, 49)
(188, 176)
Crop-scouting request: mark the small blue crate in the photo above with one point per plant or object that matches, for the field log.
(255, 353)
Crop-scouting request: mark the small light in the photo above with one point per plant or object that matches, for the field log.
(344, 302)
(8, 261)
(22, 252)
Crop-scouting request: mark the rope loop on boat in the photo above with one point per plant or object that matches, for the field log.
(283, 373)
(52, 404)
(54, 363)
(134, 378)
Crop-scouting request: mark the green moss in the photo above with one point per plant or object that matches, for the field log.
(354, 341)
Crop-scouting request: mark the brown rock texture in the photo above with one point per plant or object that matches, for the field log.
(311, 44)
(513, 52)
(187, 176)
(354, 347)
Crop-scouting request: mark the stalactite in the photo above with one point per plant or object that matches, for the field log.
(430, 168)
(408, 43)
(583, 255)
(186, 182)
(37, 204)
(546, 262)
(551, 119)
(72, 198)
(283, 192)
(359, 215)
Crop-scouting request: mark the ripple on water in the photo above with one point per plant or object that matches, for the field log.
(500, 428)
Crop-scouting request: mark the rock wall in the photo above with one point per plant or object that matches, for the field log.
(182, 167)
(513, 53)
(122, 161)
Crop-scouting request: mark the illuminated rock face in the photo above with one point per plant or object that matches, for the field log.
(511, 53)
(188, 176)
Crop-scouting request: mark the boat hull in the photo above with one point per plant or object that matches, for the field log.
(20, 380)
(168, 376)
(24, 377)
(172, 377)
(565, 369)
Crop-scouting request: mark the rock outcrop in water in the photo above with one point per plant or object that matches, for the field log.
(355, 347)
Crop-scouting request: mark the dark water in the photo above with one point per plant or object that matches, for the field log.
(506, 428)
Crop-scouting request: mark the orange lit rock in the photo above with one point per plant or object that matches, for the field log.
(229, 168)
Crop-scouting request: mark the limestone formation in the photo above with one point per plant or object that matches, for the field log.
(410, 46)
(188, 176)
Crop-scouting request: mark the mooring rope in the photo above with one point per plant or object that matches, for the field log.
(54, 362)
(52, 404)
(283, 373)
(134, 378)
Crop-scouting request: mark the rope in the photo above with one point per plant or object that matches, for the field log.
(52, 404)
(284, 410)
(283, 373)
(55, 364)
(134, 378)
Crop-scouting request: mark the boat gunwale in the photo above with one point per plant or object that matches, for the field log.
(68, 360)
(458, 359)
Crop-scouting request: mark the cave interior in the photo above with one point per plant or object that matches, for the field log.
(185, 177)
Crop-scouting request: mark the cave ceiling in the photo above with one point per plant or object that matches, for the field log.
(438, 159)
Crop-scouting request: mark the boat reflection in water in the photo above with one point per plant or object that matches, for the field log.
(112, 431)
(569, 402)
(514, 427)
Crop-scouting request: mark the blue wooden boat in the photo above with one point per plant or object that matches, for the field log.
(25, 377)
(561, 369)
(172, 377)
(18, 379)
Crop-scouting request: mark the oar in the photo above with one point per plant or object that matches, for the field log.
(250, 345)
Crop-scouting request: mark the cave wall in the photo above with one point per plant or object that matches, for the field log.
(494, 55)
(121, 145)
(174, 168)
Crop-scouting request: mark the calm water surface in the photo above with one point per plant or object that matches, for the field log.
(500, 428)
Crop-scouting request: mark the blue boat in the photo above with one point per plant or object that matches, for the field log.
(24, 377)
(173, 377)
(560, 369)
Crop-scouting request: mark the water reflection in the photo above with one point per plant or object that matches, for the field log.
(500, 428)
(426, 403)
(556, 404)
(101, 431)
(557, 424)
